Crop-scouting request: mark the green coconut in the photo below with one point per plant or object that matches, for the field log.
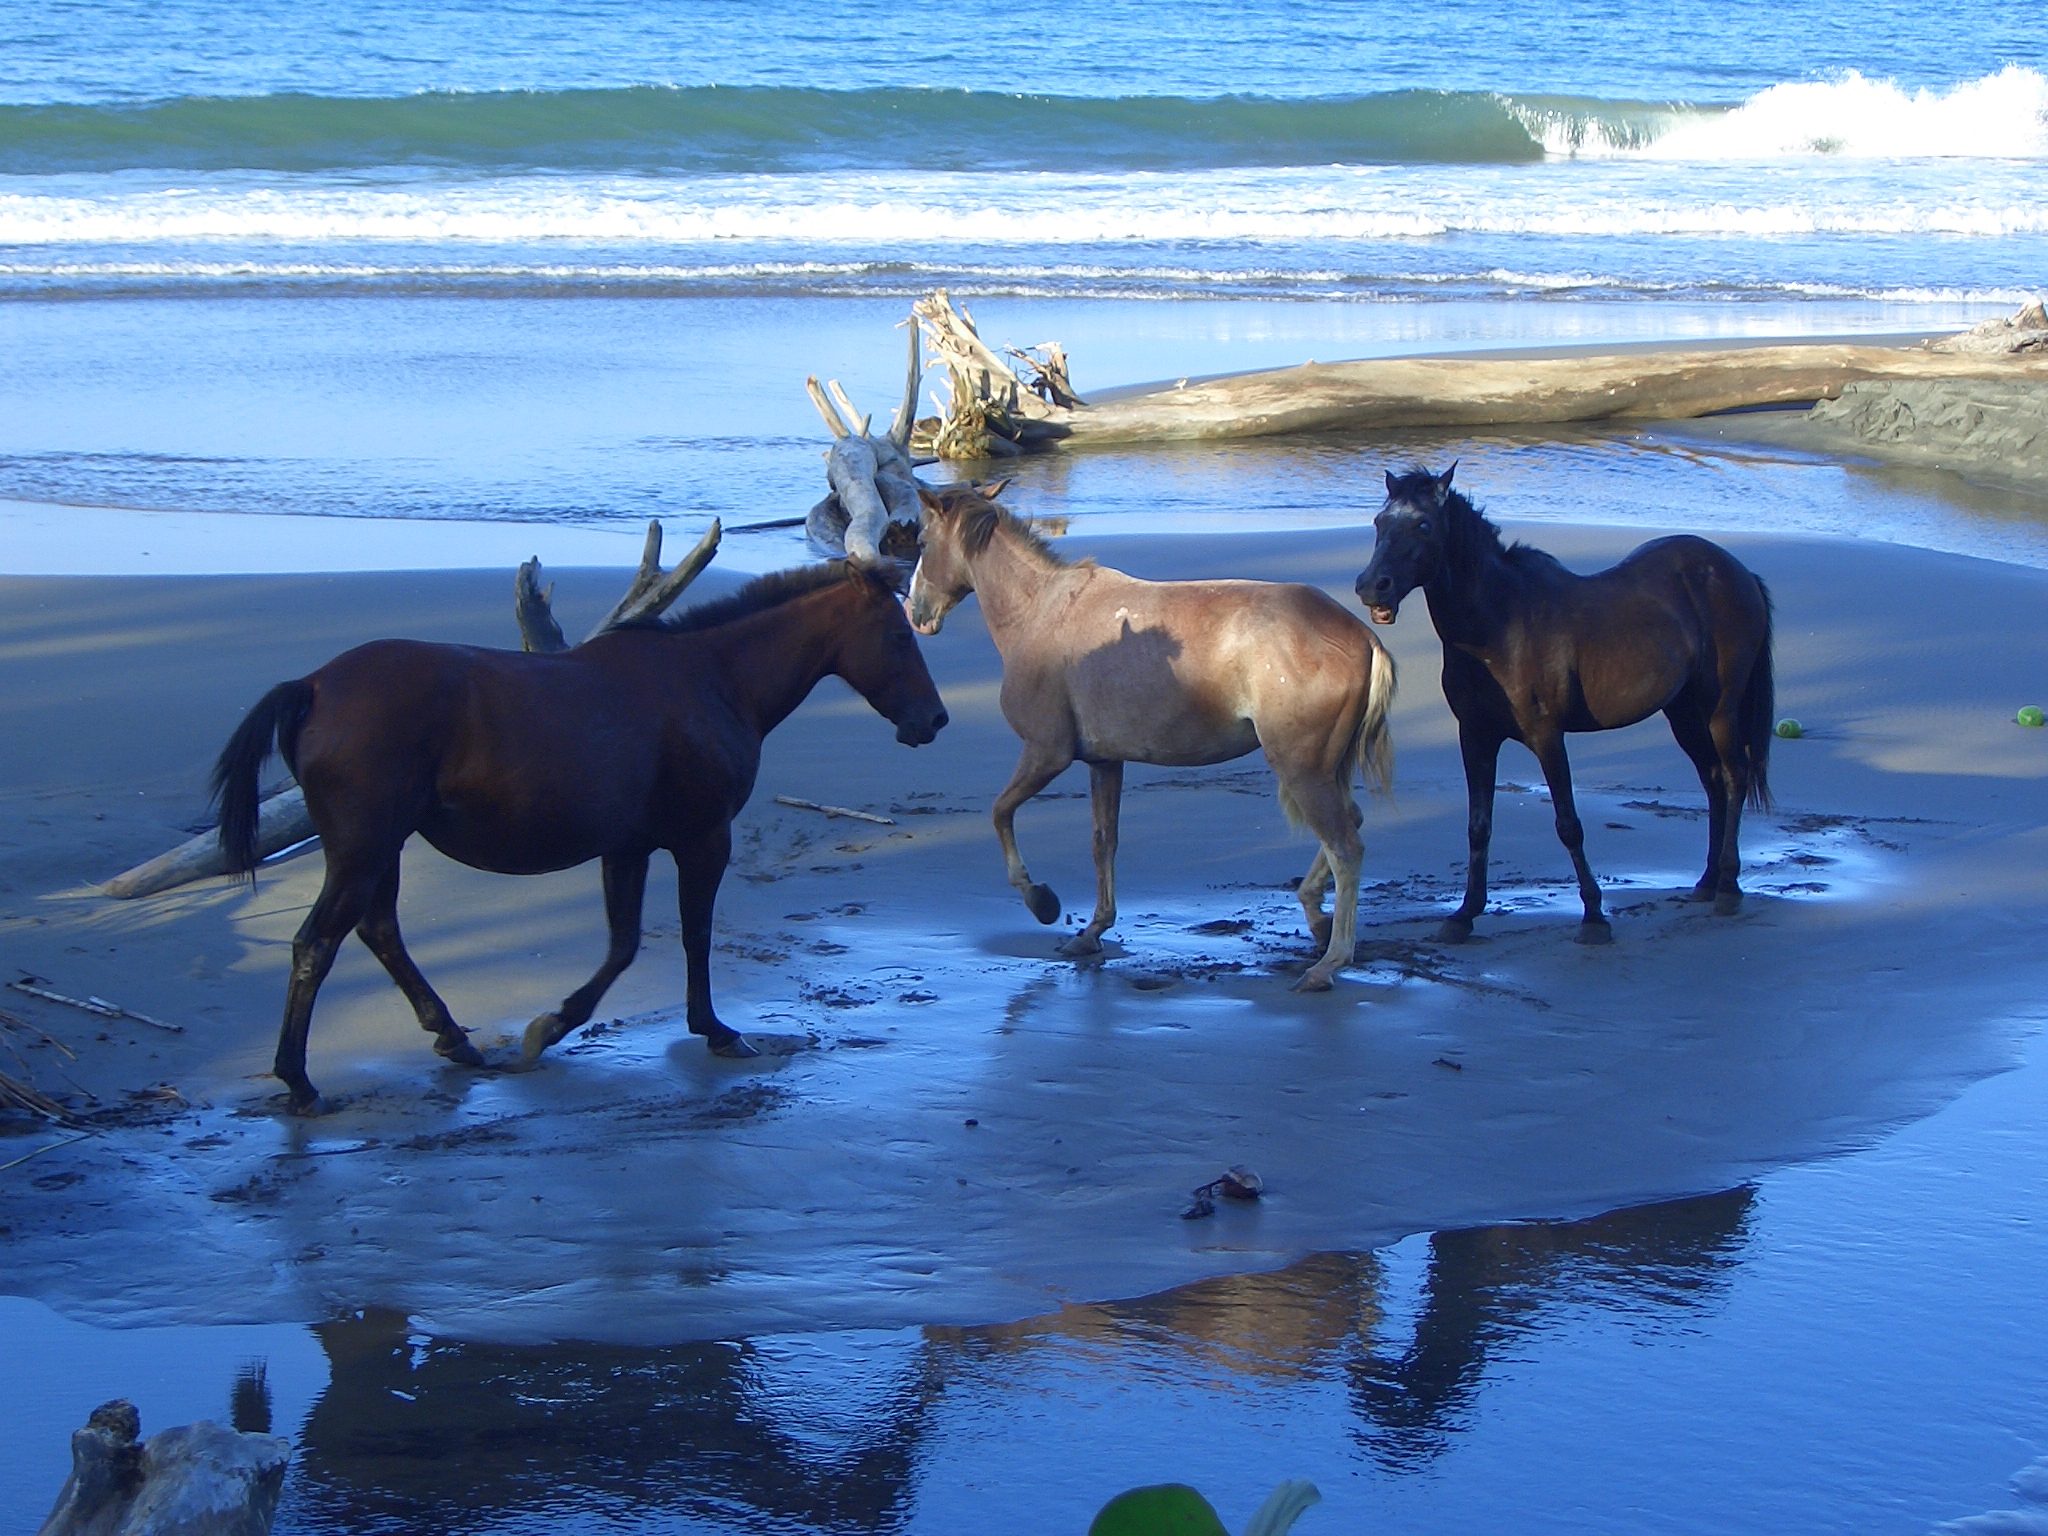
(2031, 716)
(1791, 729)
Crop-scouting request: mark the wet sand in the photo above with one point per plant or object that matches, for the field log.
(965, 1130)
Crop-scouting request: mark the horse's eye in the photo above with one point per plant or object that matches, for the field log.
(1423, 526)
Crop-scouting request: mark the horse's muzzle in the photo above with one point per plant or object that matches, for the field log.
(1378, 597)
(913, 733)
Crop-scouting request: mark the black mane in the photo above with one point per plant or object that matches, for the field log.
(1469, 533)
(757, 596)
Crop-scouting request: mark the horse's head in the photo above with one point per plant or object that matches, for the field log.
(1409, 538)
(957, 522)
(880, 659)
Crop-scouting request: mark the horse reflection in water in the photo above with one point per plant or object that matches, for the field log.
(444, 1435)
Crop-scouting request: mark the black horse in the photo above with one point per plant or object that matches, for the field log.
(1532, 651)
(646, 737)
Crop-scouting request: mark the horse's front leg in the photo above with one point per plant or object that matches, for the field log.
(1557, 773)
(1481, 752)
(1038, 767)
(1106, 792)
(625, 889)
(699, 869)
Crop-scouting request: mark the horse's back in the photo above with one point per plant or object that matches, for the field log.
(1183, 672)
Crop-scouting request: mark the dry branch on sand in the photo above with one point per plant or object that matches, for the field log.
(995, 412)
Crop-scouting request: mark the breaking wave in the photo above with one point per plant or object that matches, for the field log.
(764, 129)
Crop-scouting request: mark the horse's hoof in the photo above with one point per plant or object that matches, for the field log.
(457, 1048)
(1727, 904)
(733, 1047)
(1080, 946)
(1044, 905)
(1313, 981)
(1455, 930)
(1701, 892)
(540, 1034)
(1594, 931)
(310, 1107)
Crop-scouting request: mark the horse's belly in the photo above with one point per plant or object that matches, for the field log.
(1187, 743)
(513, 845)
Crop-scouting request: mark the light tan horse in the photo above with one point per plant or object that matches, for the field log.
(1107, 669)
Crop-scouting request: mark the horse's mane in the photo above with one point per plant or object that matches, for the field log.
(759, 595)
(1469, 533)
(979, 518)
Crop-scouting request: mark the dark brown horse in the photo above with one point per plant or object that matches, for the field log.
(1532, 651)
(647, 737)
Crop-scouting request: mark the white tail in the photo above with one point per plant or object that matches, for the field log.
(1375, 742)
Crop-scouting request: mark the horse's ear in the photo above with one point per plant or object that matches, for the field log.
(1443, 481)
(1392, 484)
(925, 496)
(994, 488)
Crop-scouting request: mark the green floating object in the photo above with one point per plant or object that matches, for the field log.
(1790, 729)
(1175, 1509)
(1165, 1509)
(2031, 716)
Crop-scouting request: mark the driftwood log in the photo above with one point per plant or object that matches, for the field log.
(283, 820)
(996, 412)
(873, 512)
(200, 1479)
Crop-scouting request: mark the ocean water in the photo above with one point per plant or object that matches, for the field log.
(1472, 174)
(564, 264)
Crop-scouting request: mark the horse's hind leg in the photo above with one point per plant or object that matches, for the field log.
(1734, 775)
(1106, 790)
(1037, 768)
(1326, 806)
(1689, 727)
(1310, 892)
(1557, 773)
(625, 888)
(379, 931)
(345, 895)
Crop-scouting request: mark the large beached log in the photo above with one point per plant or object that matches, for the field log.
(282, 820)
(873, 512)
(995, 412)
(200, 1479)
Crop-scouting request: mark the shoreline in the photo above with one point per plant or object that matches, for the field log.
(907, 1021)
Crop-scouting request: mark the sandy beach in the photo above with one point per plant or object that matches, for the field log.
(965, 1129)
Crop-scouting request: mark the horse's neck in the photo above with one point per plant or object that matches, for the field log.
(769, 662)
(1013, 581)
(1469, 597)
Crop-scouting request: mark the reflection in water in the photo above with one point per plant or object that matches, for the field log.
(1487, 1284)
(823, 1432)
(416, 1433)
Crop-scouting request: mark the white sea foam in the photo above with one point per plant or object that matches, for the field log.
(900, 212)
(2001, 116)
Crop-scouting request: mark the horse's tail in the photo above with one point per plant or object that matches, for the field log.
(1758, 714)
(276, 718)
(1375, 749)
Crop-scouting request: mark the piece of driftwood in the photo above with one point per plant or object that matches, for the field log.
(98, 1005)
(283, 821)
(994, 412)
(834, 811)
(201, 1479)
(873, 512)
(651, 593)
